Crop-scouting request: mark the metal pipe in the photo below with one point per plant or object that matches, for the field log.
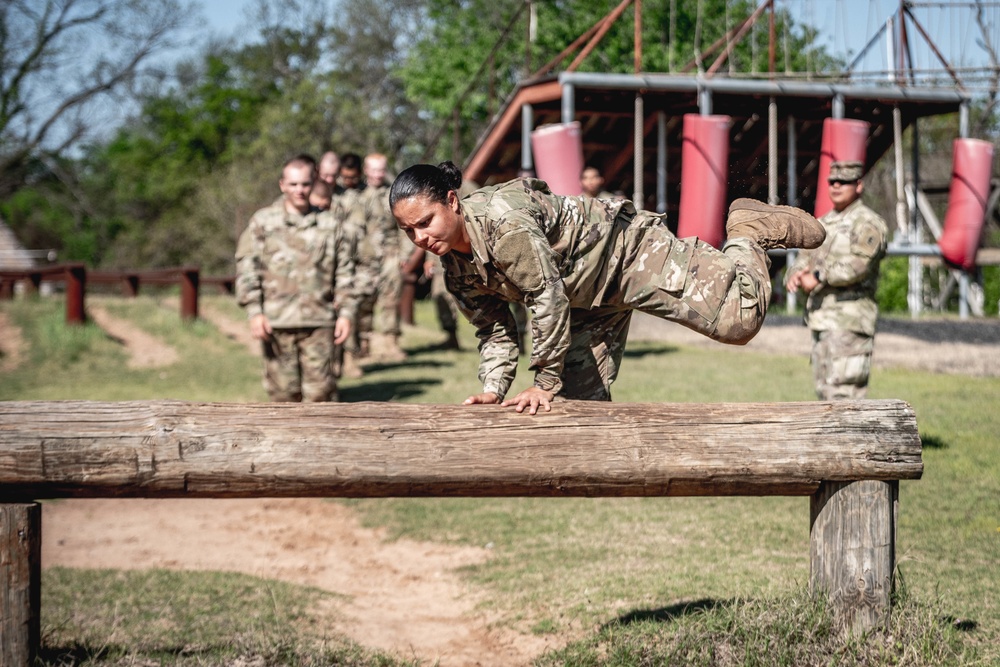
(638, 153)
(568, 101)
(963, 119)
(705, 101)
(792, 199)
(669, 82)
(837, 105)
(661, 162)
(916, 270)
(772, 151)
(527, 124)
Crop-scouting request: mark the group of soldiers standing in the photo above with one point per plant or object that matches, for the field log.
(319, 272)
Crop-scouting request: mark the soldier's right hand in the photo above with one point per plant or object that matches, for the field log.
(260, 327)
(486, 398)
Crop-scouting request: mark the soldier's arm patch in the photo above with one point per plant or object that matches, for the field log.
(867, 240)
(519, 255)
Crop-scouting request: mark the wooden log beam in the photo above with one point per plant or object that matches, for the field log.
(54, 449)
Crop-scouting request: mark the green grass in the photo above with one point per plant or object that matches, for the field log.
(628, 581)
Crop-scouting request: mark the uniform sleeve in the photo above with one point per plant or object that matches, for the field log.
(497, 333)
(248, 285)
(866, 247)
(345, 298)
(524, 255)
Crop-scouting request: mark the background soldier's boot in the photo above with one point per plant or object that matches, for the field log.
(385, 347)
(351, 367)
(451, 342)
(773, 226)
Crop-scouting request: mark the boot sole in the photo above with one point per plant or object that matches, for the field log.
(747, 204)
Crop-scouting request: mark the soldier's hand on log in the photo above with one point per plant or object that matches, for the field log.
(486, 398)
(531, 398)
(341, 330)
(260, 327)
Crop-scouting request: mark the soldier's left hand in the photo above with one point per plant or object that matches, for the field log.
(341, 330)
(531, 398)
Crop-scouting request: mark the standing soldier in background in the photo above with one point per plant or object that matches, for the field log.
(386, 241)
(840, 278)
(329, 167)
(348, 199)
(294, 274)
(592, 183)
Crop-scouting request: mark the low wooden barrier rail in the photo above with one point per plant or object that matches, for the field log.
(846, 456)
(75, 277)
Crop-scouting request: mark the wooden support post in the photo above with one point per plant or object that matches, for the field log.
(76, 289)
(130, 285)
(189, 293)
(853, 549)
(21, 571)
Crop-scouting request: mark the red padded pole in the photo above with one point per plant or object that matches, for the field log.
(704, 178)
(844, 140)
(972, 164)
(558, 155)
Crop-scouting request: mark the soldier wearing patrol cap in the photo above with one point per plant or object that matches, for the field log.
(840, 278)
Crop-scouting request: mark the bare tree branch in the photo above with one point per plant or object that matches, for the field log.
(60, 57)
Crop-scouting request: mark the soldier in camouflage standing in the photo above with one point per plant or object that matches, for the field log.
(348, 199)
(294, 273)
(581, 266)
(382, 328)
(840, 278)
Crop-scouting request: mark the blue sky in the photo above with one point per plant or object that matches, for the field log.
(846, 26)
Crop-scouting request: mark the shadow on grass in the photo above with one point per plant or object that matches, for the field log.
(433, 348)
(379, 366)
(638, 353)
(666, 614)
(386, 391)
(932, 442)
(80, 654)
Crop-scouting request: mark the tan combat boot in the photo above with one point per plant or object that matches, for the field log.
(351, 366)
(385, 347)
(773, 226)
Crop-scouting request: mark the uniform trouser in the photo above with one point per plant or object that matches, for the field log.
(841, 362)
(297, 365)
(444, 302)
(390, 286)
(721, 294)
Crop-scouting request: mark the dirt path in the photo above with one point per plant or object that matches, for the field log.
(11, 345)
(144, 350)
(401, 596)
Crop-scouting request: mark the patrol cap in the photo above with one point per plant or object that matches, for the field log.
(846, 171)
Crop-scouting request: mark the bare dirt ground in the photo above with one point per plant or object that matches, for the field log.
(401, 596)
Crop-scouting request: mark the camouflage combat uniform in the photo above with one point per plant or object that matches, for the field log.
(582, 266)
(351, 202)
(841, 312)
(386, 239)
(296, 270)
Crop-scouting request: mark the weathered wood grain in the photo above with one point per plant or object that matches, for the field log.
(54, 449)
(852, 550)
(20, 590)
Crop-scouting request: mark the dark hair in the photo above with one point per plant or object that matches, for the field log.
(350, 161)
(426, 180)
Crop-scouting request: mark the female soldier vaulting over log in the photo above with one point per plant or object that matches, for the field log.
(581, 266)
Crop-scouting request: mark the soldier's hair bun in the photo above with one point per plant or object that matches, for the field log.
(426, 180)
(451, 174)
